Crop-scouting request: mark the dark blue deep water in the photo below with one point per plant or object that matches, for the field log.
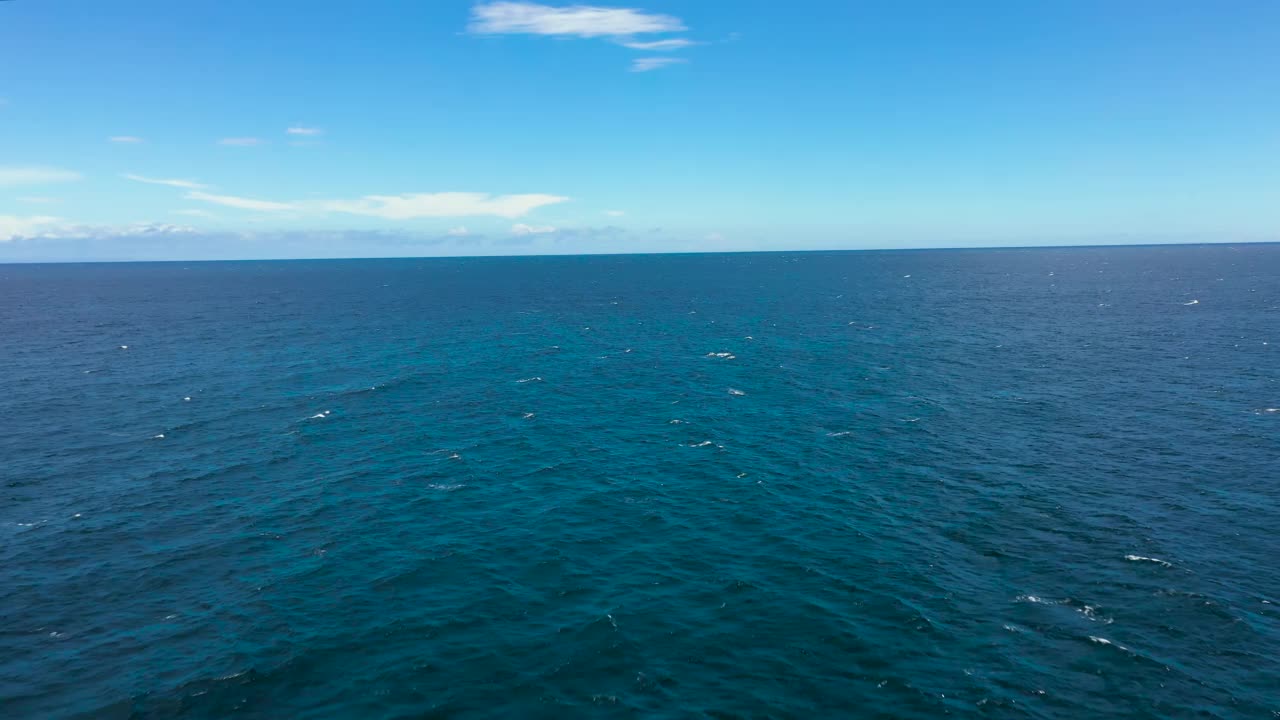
(1005, 484)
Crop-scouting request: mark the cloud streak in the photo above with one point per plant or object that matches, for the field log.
(584, 21)
(445, 204)
(621, 25)
(399, 207)
(305, 131)
(522, 229)
(654, 63)
(125, 139)
(184, 184)
(241, 203)
(14, 176)
(658, 45)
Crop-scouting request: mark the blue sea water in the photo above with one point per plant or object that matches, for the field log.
(1001, 484)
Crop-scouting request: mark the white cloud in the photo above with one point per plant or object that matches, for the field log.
(185, 184)
(125, 139)
(138, 229)
(12, 176)
(240, 141)
(522, 229)
(399, 207)
(308, 131)
(658, 45)
(578, 20)
(614, 213)
(715, 237)
(44, 227)
(445, 204)
(654, 63)
(460, 231)
(239, 202)
(12, 226)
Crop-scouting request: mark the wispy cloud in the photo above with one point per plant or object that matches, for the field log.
(125, 139)
(12, 176)
(241, 203)
(445, 204)
(307, 131)
(615, 213)
(399, 207)
(522, 229)
(658, 45)
(460, 231)
(184, 184)
(654, 63)
(241, 141)
(504, 18)
(621, 25)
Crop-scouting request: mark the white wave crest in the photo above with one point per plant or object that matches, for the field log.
(1140, 558)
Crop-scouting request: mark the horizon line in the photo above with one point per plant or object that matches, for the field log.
(974, 248)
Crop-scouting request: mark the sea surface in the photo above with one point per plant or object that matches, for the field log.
(999, 484)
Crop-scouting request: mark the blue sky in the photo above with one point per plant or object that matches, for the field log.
(238, 128)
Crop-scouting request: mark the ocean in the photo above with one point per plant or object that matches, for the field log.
(1034, 483)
